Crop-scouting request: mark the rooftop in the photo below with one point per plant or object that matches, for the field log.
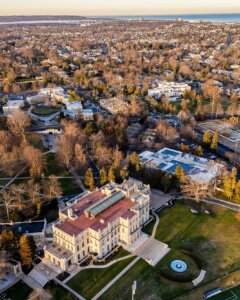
(198, 168)
(107, 209)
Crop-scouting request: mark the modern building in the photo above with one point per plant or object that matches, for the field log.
(198, 168)
(94, 223)
(11, 106)
(228, 133)
(73, 108)
(172, 90)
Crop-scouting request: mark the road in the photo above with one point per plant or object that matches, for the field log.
(223, 203)
(211, 200)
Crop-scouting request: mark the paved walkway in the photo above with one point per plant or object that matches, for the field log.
(155, 225)
(128, 267)
(159, 200)
(36, 287)
(69, 289)
(78, 179)
(211, 200)
(200, 278)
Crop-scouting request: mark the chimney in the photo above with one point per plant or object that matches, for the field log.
(70, 212)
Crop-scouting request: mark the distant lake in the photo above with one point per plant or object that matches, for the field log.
(223, 18)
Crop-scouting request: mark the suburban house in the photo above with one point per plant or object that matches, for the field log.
(95, 223)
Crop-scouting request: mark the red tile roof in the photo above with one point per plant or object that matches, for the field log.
(119, 209)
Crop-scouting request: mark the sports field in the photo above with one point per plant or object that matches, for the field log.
(230, 294)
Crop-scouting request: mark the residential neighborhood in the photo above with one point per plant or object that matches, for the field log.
(120, 166)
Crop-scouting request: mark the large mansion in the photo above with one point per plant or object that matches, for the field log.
(96, 222)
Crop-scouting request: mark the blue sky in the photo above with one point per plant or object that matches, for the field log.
(120, 7)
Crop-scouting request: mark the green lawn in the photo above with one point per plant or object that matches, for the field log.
(45, 110)
(35, 140)
(89, 282)
(54, 167)
(213, 239)
(69, 186)
(59, 293)
(19, 291)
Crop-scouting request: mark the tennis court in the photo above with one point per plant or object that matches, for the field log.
(230, 294)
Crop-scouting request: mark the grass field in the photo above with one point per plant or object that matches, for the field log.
(19, 291)
(35, 140)
(59, 293)
(214, 239)
(89, 282)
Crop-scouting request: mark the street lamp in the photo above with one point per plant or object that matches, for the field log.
(134, 288)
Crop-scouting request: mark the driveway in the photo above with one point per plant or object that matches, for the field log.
(158, 199)
(152, 251)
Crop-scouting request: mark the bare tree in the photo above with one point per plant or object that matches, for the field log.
(9, 201)
(195, 189)
(52, 188)
(35, 159)
(18, 122)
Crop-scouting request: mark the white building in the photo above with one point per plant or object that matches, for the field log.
(87, 114)
(94, 223)
(198, 168)
(52, 91)
(172, 90)
(73, 108)
(11, 106)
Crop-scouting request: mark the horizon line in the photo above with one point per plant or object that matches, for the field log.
(120, 15)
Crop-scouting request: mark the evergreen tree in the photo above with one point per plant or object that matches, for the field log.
(237, 192)
(180, 174)
(124, 173)
(227, 187)
(103, 179)
(199, 151)
(6, 239)
(206, 138)
(25, 251)
(229, 184)
(111, 174)
(214, 141)
(134, 165)
(89, 179)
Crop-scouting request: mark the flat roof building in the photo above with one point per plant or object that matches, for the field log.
(198, 168)
(228, 133)
(11, 106)
(172, 90)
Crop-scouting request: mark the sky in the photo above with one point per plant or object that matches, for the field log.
(114, 7)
